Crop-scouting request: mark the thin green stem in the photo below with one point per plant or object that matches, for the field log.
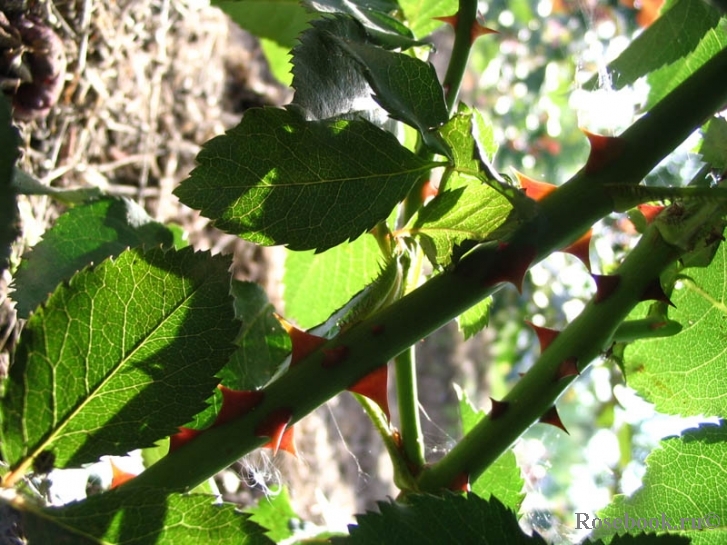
(408, 401)
(466, 19)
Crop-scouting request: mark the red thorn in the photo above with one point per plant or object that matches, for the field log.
(650, 211)
(375, 387)
(581, 249)
(605, 286)
(534, 189)
(119, 476)
(461, 483)
(476, 31)
(429, 191)
(545, 335)
(334, 356)
(551, 417)
(182, 437)
(498, 409)
(567, 368)
(275, 426)
(303, 343)
(604, 149)
(377, 329)
(510, 265)
(655, 292)
(236, 403)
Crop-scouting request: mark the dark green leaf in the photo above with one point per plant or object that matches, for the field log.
(375, 17)
(83, 235)
(278, 179)
(278, 20)
(672, 36)
(685, 480)
(405, 87)
(683, 374)
(328, 82)
(472, 212)
(714, 145)
(263, 343)
(317, 284)
(435, 520)
(665, 79)
(502, 479)
(142, 517)
(119, 357)
(8, 206)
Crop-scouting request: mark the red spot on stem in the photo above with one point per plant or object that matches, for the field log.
(334, 356)
(461, 483)
(377, 329)
(375, 387)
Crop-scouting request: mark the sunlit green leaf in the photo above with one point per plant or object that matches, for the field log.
(683, 374)
(119, 357)
(278, 179)
(425, 519)
(714, 145)
(420, 14)
(146, 516)
(275, 513)
(475, 319)
(83, 235)
(315, 285)
(502, 479)
(684, 490)
(277, 20)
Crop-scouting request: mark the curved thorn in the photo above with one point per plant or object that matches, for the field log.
(604, 149)
(375, 387)
(534, 189)
(655, 292)
(499, 408)
(274, 426)
(551, 417)
(581, 249)
(545, 335)
(605, 286)
(461, 483)
(182, 437)
(650, 211)
(567, 368)
(236, 403)
(303, 343)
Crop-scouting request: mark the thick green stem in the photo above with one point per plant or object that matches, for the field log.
(582, 341)
(408, 400)
(341, 362)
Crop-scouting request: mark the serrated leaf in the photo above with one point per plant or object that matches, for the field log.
(278, 20)
(685, 479)
(405, 87)
(470, 212)
(470, 138)
(375, 17)
(665, 79)
(420, 14)
(278, 179)
(119, 357)
(83, 235)
(263, 343)
(714, 144)
(672, 36)
(328, 83)
(275, 513)
(143, 517)
(317, 284)
(428, 519)
(475, 319)
(9, 229)
(683, 374)
(502, 479)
